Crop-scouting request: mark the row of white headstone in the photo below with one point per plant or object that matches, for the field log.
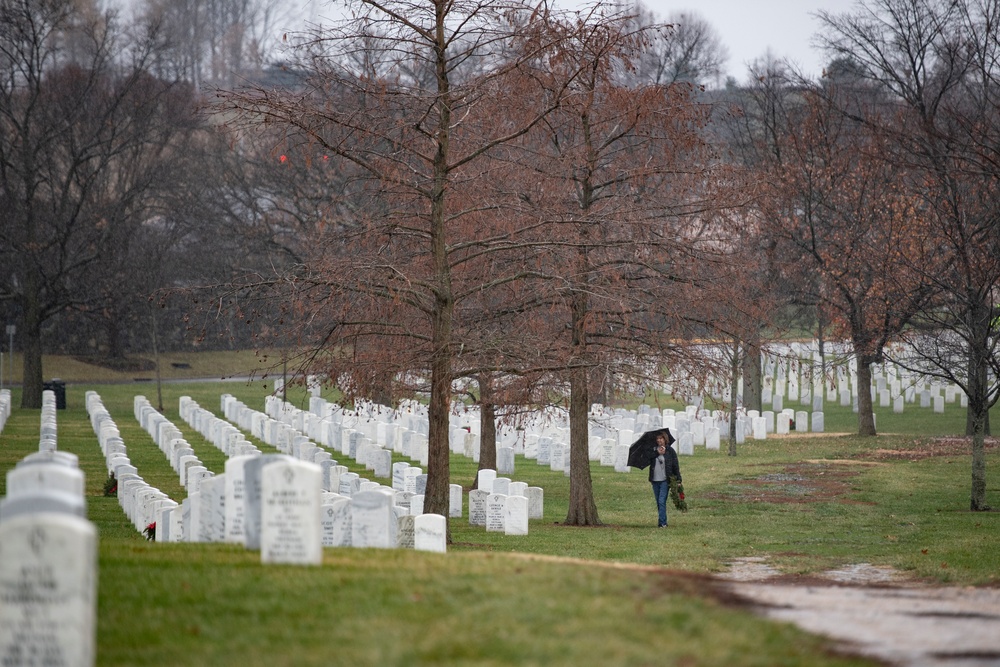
(408, 481)
(795, 372)
(370, 435)
(501, 505)
(543, 435)
(48, 558)
(140, 501)
(276, 502)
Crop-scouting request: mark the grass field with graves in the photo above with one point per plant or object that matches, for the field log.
(623, 593)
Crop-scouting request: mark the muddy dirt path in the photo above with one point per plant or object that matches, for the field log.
(872, 612)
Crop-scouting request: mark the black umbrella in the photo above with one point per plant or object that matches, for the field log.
(641, 452)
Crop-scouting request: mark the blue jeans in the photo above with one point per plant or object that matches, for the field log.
(660, 491)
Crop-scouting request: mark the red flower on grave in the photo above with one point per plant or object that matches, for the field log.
(150, 532)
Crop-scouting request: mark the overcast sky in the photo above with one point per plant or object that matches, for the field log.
(749, 28)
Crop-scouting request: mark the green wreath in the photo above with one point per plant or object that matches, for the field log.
(677, 494)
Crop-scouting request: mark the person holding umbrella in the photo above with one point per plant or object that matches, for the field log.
(653, 449)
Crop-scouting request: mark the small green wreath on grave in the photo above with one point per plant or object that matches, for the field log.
(150, 532)
(677, 494)
(111, 486)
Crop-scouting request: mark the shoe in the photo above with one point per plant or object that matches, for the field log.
(662, 525)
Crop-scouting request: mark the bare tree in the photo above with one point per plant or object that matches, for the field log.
(83, 132)
(417, 115)
(937, 60)
(630, 191)
(839, 214)
(683, 49)
(217, 42)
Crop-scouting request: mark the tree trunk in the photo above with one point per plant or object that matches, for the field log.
(977, 363)
(821, 389)
(31, 383)
(156, 359)
(382, 389)
(437, 493)
(821, 340)
(733, 397)
(582, 508)
(752, 375)
(113, 328)
(978, 411)
(487, 425)
(977, 501)
(866, 417)
(975, 389)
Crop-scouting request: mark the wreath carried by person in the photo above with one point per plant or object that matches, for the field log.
(677, 494)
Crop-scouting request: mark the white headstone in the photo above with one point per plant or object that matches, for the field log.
(518, 489)
(430, 533)
(373, 523)
(405, 531)
(234, 502)
(536, 502)
(516, 515)
(192, 520)
(176, 529)
(698, 433)
(340, 529)
(712, 438)
(621, 458)
(501, 485)
(802, 421)
(817, 422)
(398, 469)
(455, 500)
(477, 507)
(381, 463)
(495, 503)
(28, 479)
(213, 509)
(252, 494)
(48, 590)
(505, 460)
(290, 513)
(783, 423)
(484, 480)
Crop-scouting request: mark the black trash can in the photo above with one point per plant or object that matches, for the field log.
(57, 387)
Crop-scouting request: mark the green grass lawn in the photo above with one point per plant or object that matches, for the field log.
(625, 593)
(141, 368)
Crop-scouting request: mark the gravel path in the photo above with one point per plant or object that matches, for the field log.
(867, 611)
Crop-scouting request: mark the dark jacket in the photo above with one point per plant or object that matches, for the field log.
(673, 465)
